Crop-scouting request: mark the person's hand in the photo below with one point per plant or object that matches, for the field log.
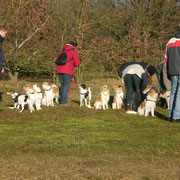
(2, 70)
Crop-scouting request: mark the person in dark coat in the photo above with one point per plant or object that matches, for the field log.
(3, 32)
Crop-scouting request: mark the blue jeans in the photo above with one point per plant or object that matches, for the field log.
(133, 83)
(65, 81)
(174, 105)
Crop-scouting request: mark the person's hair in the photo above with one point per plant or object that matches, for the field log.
(3, 28)
(73, 43)
(151, 70)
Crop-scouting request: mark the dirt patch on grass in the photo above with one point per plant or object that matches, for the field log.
(96, 167)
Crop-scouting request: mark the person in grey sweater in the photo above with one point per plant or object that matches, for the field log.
(164, 82)
(136, 79)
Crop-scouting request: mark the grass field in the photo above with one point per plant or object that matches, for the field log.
(79, 143)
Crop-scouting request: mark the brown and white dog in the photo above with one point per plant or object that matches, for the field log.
(118, 98)
(166, 96)
(149, 104)
(32, 96)
(85, 95)
(102, 101)
(51, 92)
(37, 91)
(19, 100)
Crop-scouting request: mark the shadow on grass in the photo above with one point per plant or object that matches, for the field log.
(161, 116)
(74, 101)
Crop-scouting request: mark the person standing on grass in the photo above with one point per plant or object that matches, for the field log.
(164, 82)
(3, 32)
(172, 59)
(66, 72)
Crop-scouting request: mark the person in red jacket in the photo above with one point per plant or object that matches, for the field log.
(66, 72)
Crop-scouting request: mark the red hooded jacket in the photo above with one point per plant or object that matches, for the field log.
(72, 60)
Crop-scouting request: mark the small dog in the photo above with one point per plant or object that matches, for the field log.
(51, 92)
(32, 96)
(166, 96)
(37, 91)
(118, 98)
(98, 103)
(85, 95)
(102, 101)
(19, 100)
(149, 104)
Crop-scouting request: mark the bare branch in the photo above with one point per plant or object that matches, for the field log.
(32, 34)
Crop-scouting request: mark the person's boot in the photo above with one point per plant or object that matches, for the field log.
(128, 106)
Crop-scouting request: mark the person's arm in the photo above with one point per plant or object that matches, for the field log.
(166, 81)
(166, 61)
(76, 59)
(144, 81)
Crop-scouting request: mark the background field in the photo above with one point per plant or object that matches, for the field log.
(79, 143)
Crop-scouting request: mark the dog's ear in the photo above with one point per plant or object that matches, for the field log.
(106, 86)
(83, 86)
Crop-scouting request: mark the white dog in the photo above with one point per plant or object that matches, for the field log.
(166, 96)
(118, 98)
(37, 91)
(102, 101)
(32, 96)
(85, 95)
(149, 103)
(51, 92)
(19, 100)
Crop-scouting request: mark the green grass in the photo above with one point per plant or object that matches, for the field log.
(79, 143)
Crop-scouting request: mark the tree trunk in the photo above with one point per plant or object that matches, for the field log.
(13, 77)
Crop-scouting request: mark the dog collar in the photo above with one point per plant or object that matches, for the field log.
(83, 93)
(150, 100)
(49, 89)
(105, 94)
(14, 95)
(38, 92)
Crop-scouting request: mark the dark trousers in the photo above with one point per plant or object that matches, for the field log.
(65, 81)
(133, 83)
(161, 82)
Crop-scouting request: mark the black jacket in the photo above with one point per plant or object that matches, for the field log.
(1, 53)
(172, 56)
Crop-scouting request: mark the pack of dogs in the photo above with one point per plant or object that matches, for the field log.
(34, 98)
